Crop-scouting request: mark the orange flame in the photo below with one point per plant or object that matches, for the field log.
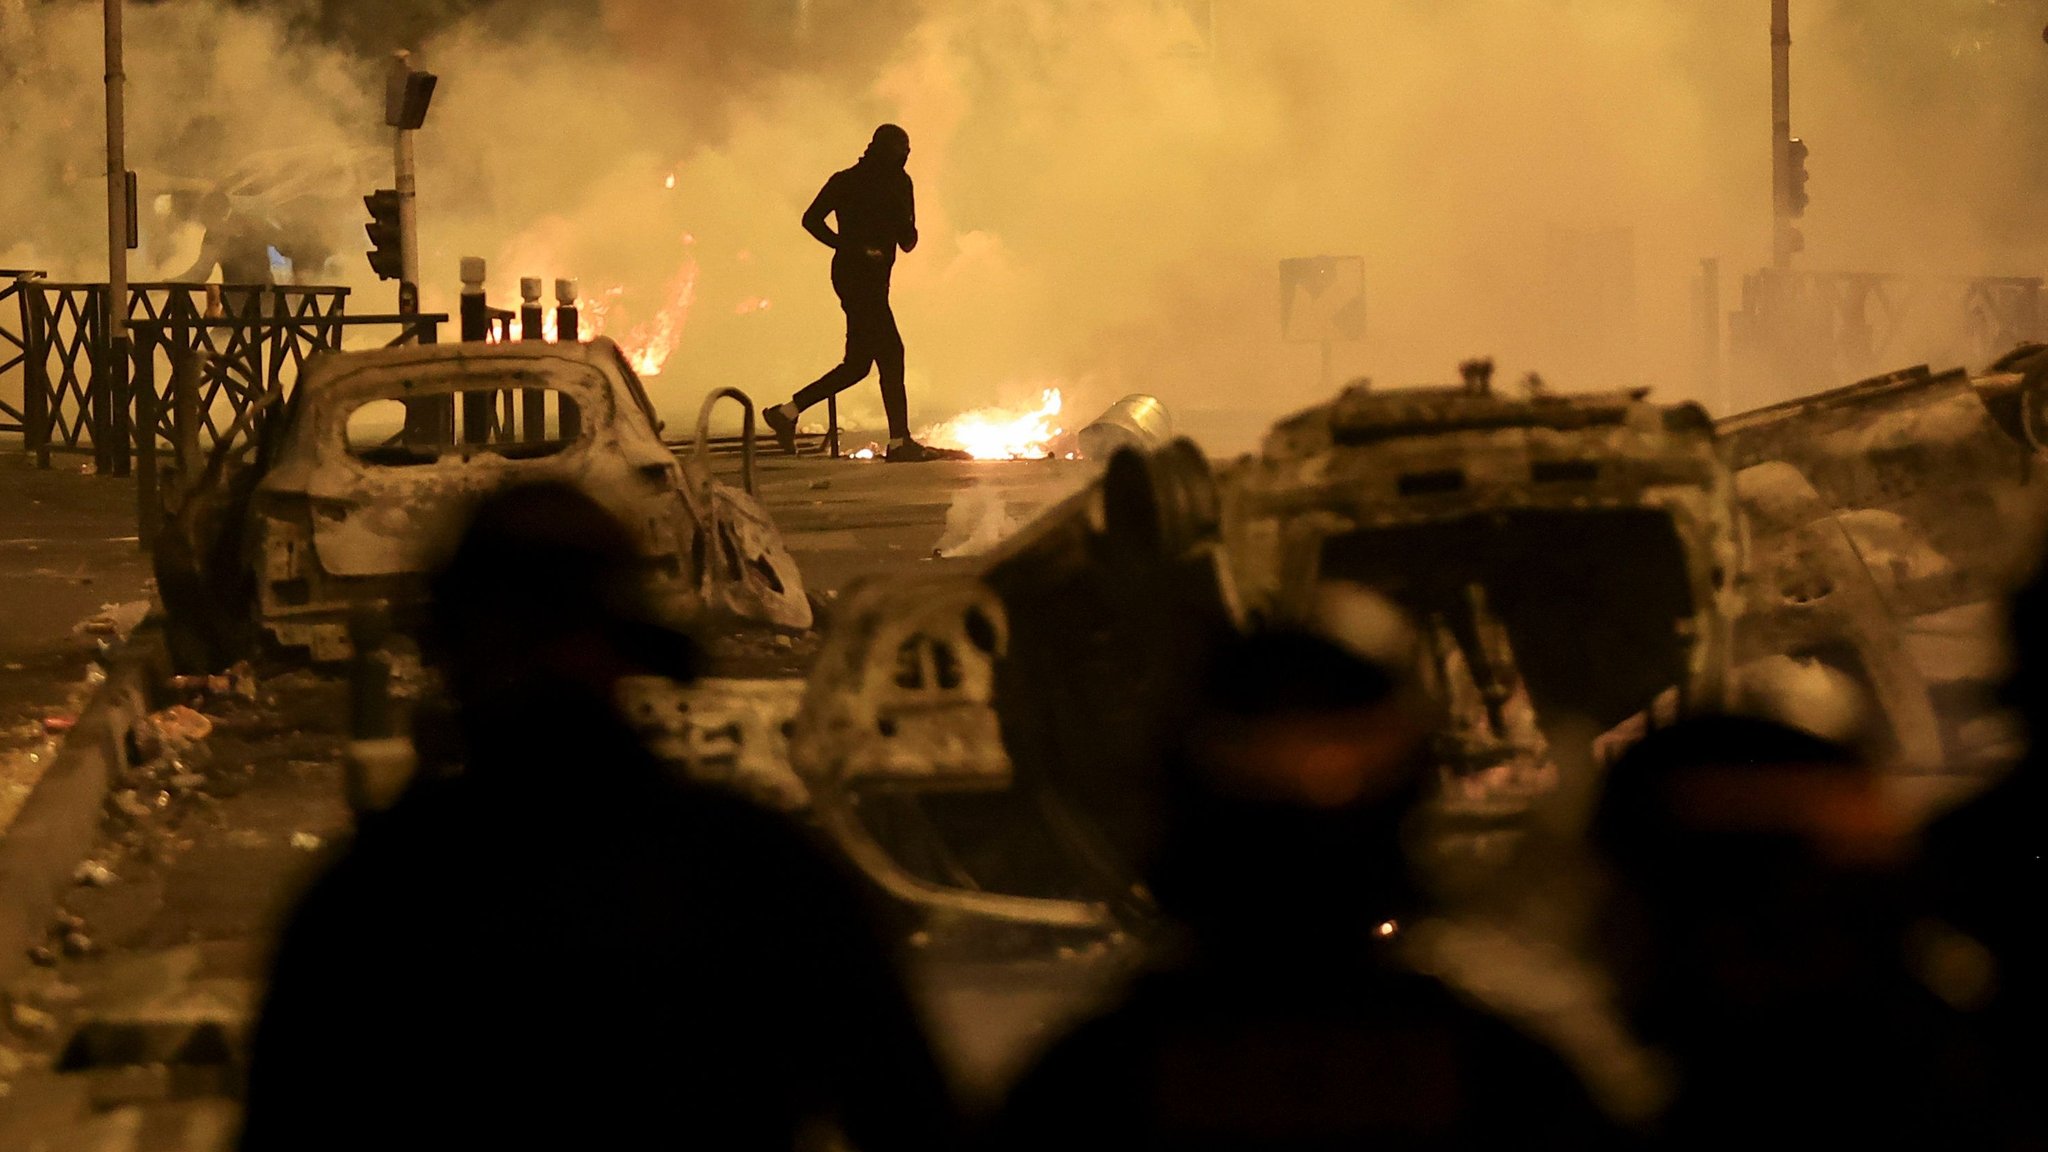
(648, 346)
(997, 433)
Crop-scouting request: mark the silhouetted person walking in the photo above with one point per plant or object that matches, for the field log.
(563, 945)
(1287, 1018)
(875, 208)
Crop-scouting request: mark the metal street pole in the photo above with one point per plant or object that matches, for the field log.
(116, 316)
(408, 214)
(1782, 245)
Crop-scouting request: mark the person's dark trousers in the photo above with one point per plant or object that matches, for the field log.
(871, 341)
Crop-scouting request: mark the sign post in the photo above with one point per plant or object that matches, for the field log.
(1322, 301)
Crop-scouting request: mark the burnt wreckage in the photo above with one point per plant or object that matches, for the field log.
(1580, 568)
(345, 491)
(979, 740)
(1572, 562)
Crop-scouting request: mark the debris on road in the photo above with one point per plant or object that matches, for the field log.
(94, 874)
(114, 620)
(306, 842)
(179, 727)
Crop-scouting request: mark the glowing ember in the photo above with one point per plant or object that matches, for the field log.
(1001, 433)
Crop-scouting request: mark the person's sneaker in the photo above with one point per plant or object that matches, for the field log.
(911, 452)
(783, 425)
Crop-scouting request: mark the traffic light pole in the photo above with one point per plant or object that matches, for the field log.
(1784, 237)
(408, 227)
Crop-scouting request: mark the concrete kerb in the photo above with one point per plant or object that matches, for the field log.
(60, 821)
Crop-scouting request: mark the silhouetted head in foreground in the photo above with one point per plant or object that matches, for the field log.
(1759, 860)
(890, 147)
(1289, 793)
(544, 597)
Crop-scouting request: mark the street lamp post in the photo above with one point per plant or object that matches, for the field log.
(119, 234)
(1784, 237)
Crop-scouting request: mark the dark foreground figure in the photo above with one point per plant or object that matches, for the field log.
(563, 946)
(1986, 867)
(875, 207)
(1288, 1021)
(1766, 943)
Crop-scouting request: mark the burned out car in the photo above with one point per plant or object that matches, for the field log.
(360, 480)
(1573, 564)
(1887, 518)
(1569, 561)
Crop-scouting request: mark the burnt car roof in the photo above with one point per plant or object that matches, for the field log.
(373, 366)
(1363, 416)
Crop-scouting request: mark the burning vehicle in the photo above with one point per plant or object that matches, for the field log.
(363, 474)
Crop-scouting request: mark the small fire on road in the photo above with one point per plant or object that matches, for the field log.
(999, 433)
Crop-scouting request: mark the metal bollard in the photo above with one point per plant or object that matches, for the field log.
(568, 329)
(533, 402)
(476, 328)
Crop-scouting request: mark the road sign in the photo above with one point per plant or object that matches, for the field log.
(1322, 299)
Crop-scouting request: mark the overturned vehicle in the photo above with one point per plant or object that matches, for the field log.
(345, 494)
(1887, 519)
(982, 743)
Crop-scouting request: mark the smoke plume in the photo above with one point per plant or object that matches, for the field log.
(1105, 186)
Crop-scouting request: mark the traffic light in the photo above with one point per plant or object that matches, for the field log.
(385, 258)
(1795, 177)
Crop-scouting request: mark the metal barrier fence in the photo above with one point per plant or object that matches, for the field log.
(204, 385)
(1799, 332)
(245, 341)
(13, 347)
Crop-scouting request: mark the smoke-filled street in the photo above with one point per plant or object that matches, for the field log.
(1028, 574)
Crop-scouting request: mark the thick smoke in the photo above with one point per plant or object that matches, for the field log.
(1105, 187)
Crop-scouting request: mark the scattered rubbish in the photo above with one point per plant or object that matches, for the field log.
(180, 726)
(238, 681)
(306, 842)
(114, 620)
(15, 666)
(188, 781)
(55, 725)
(77, 944)
(130, 802)
(820, 485)
(31, 1023)
(42, 956)
(977, 521)
(94, 874)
